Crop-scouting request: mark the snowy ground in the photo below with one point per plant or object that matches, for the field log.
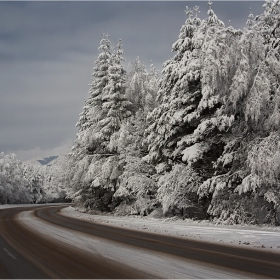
(264, 238)
(157, 264)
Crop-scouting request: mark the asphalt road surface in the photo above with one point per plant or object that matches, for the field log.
(26, 254)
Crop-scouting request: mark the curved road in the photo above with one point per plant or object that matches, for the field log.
(27, 254)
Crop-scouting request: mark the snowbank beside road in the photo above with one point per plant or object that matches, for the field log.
(265, 238)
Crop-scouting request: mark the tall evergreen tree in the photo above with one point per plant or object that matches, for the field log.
(185, 117)
(95, 162)
(178, 94)
(92, 111)
(187, 129)
(114, 102)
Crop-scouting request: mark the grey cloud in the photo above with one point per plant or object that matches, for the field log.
(48, 49)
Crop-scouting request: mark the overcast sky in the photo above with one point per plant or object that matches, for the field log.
(48, 50)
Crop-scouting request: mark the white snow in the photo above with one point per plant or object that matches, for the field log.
(158, 264)
(264, 238)
(260, 237)
(192, 153)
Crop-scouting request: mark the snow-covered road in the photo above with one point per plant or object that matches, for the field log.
(151, 255)
(263, 238)
(154, 263)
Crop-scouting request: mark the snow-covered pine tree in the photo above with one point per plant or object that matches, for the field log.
(86, 140)
(114, 102)
(178, 95)
(268, 23)
(79, 159)
(188, 115)
(188, 125)
(135, 187)
(94, 160)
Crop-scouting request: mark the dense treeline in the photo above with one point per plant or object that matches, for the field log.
(201, 142)
(29, 183)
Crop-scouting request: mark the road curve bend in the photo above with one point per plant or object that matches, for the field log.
(26, 254)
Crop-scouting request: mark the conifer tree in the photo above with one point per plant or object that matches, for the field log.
(178, 94)
(189, 127)
(92, 111)
(136, 188)
(186, 116)
(114, 102)
(96, 163)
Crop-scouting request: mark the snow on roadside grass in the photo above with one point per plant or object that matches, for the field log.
(267, 238)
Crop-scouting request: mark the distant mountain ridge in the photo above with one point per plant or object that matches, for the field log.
(47, 160)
